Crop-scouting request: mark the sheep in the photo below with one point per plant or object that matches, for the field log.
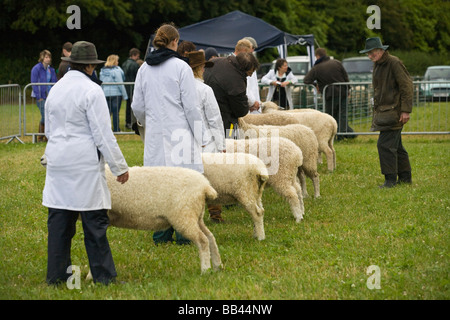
(155, 198)
(238, 178)
(323, 125)
(282, 159)
(303, 137)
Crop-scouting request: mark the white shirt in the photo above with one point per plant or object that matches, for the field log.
(80, 139)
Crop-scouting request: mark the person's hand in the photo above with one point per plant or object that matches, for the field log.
(255, 106)
(123, 178)
(404, 117)
(285, 84)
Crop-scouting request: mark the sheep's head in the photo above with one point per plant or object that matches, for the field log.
(269, 106)
(44, 161)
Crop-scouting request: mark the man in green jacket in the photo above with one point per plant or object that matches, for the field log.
(392, 101)
(130, 68)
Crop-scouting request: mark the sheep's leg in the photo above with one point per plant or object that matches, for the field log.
(191, 230)
(314, 176)
(302, 181)
(257, 214)
(331, 146)
(215, 255)
(330, 158)
(295, 201)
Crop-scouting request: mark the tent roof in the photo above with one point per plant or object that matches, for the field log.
(225, 31)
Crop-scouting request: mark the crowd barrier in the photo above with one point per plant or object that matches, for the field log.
(431, 108)
(10, 105)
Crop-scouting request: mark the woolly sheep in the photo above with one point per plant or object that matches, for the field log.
(156, 198)
(282, 159)
(303, 137)
(238, 178)
(323, 125)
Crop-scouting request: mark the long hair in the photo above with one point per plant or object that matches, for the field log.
(112, 61)
(43, 54)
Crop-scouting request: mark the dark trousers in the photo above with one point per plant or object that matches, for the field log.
(393, 157)
(336, 106)
(114, 103)
(128, 119)
(61, 229)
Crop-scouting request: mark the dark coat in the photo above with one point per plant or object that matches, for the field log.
(393, 93)
(327, 71)
(229, 83)
(130, 68)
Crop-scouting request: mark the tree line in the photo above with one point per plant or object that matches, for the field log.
(115, 26)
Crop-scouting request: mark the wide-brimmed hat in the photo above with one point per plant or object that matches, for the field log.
(83, 52)
(197, 58)
(373, 43)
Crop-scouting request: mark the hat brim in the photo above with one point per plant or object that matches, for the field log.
(208, 64)
(92, 61)
(370, 49)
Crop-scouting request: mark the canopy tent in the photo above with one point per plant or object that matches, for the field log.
(222, 33)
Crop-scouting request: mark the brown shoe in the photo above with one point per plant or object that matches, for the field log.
(216, 217)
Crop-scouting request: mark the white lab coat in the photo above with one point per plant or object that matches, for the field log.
(165, 102)
(210, 111)
(253, 92)
(80, 139)
(271, 76)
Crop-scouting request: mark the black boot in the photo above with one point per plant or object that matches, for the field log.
(404, 177)
(390, 181)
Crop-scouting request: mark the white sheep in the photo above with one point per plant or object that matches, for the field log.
(282, 159)
(156, 198)
(238, 178)
(323, 125)
(302, 136)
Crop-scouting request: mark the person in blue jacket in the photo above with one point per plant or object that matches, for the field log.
(111, 72)
(42, 72)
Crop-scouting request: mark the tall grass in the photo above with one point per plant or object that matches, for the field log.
(404, 231)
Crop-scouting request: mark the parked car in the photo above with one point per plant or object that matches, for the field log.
(358, 68)
(299, 65)
(439, 86)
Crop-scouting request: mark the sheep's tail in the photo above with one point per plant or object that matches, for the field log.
(211, 193)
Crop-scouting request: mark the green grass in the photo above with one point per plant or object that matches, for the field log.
(404, 231)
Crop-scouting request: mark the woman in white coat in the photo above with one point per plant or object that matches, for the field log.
(280, 80)
(165, 103)
(80, 139)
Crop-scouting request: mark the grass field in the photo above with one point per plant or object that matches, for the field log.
(404, 231)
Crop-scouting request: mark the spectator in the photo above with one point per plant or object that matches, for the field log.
(64, 65)
(280, 80)
(211, 53)
(165, 102)
(254, 100)
(111, 72)
(228, 79)
(42, 72)
(185, 47)
(130, 68)
(393, 96)
(79, 141)
(211, 116)
(327, 71)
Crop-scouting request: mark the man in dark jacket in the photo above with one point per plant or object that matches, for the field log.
(327, 71)
(228, 79)
(392, 101)
(130, 68)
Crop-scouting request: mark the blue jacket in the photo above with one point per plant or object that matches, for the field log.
(39, 75)
(113, 74)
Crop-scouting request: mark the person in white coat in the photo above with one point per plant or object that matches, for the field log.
(254, 100)
(165, 102)
(80, 139)
(280, 80)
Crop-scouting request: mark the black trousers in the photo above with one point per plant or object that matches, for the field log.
(61, 229)
(336, 106)
(393, 157)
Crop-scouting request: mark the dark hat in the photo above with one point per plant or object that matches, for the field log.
(210, 52)
(197, 58)
(83, 52)
(253, 41)
(373, 43)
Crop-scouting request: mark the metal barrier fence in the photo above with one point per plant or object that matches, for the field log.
(32, 116)
(10, 103)
(430, 114)
(303, 95)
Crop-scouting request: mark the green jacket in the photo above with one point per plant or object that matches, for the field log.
(130, 68)
(393, 93)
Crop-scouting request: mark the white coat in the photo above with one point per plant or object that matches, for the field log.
(253, 91)
(80, 139)
(270, 77)
(165, 102)
(211, 117)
